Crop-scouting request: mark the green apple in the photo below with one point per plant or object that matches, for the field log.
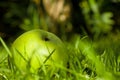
(36, 48)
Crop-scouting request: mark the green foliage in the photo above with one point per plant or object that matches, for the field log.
(33, 19)
(97, 22)
(97, 59)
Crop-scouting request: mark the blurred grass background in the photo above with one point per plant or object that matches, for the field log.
(89, 28)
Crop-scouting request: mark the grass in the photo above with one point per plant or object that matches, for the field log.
(88, 60)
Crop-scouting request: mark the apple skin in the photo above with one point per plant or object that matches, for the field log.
(32, 48)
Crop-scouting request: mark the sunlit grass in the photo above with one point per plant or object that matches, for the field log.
(86, 62)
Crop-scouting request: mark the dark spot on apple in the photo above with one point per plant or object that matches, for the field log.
(46, 39)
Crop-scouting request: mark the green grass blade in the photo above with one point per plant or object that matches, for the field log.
(5, 46)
